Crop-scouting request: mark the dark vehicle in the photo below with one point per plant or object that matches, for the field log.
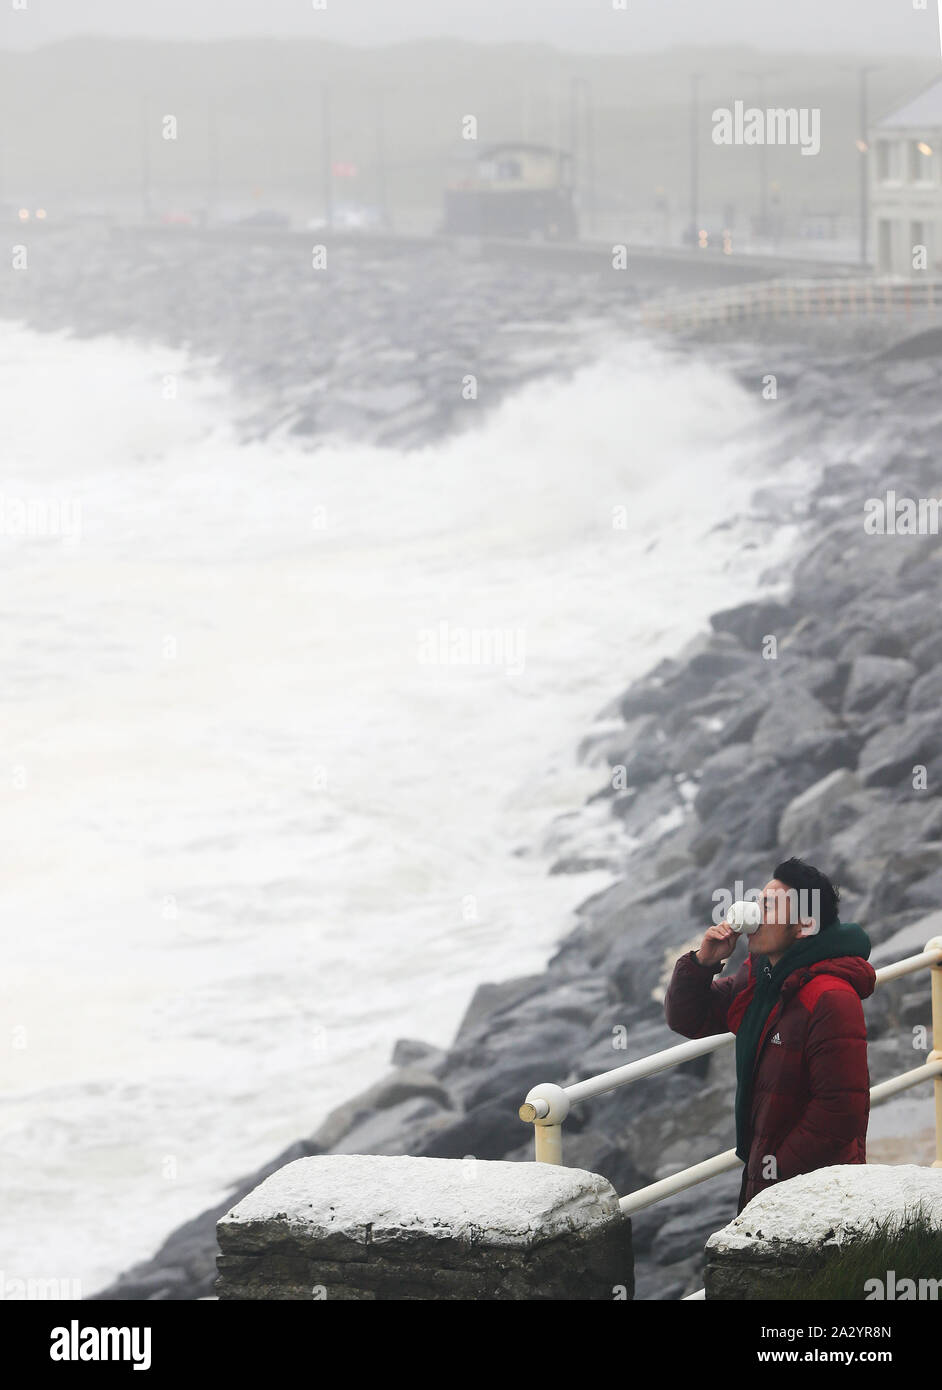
(514, 190)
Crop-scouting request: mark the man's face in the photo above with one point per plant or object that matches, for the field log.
(781, 923)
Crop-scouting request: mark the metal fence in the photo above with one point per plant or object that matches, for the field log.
(785, 298)
(547, 1105)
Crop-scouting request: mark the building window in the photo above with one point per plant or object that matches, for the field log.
(920, 161)
(883, 161)
(884, 245)
(888, 161)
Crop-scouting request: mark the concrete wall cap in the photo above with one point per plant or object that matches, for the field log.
(460, 1199)
(827, 1207)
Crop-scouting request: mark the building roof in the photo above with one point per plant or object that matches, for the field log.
(922, 112)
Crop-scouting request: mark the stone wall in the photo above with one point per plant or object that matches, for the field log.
(809, 1220)
(358, 1226)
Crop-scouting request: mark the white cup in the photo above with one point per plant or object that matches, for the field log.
(744, 917)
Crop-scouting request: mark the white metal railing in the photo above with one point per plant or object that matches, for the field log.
(786, 297)
(547, 1105)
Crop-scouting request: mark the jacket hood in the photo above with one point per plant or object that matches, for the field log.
(857, 971)
(841, 950)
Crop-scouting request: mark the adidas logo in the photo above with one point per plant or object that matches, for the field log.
(776, 1038)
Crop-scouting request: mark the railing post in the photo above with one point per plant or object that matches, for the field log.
(548, 1146)
(935, 975)
(546, 1107)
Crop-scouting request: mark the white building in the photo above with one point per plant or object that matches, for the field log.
(906, 187)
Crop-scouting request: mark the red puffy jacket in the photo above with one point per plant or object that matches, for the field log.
(811, 1084)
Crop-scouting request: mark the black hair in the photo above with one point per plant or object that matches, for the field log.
(795, 873)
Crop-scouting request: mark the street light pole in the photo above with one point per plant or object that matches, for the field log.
(327, 157)
(761, 77)
(582, 151)
(212, 160)
(147, 209)
(865, 166)
(695, 79)
(379, 112)
(863, 146)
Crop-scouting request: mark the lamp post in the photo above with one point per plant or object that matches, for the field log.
(695, 80)
(760, 78)
(863, 145)
(326, 157)
(585, 158)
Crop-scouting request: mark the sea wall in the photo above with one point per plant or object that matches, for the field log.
(796, 1230)
(372, 1228)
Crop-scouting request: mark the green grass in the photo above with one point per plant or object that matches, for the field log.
(912, 1250)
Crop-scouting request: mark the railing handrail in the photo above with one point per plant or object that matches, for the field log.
(547, 1105)
(792, 295)
(696, 1047)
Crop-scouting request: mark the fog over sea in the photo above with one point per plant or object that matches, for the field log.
(251, 837)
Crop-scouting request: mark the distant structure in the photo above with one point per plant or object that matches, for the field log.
(906, 187)
(514, 190)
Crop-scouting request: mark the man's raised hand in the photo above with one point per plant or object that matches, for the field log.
(718, 943)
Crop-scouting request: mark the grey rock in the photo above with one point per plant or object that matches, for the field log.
(804, 817)
(394, 1129)
(490, 999)
(793, 714)
(926, 693)
(408, 1052)
(889, 756)
(404, 1084)
(925, 893)
(749, 623)
(873, 679)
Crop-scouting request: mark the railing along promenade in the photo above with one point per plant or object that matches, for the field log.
(547, 1104)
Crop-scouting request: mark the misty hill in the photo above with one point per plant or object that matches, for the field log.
(82, 119)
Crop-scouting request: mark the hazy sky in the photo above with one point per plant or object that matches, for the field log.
(589, 25)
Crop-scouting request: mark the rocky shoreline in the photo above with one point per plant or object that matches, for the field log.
(728, 760)
(811, 753)
(376, 347)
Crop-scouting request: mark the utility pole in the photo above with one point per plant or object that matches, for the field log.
(582, 151)
(760, 78)
(326, 156)
(144, 146)
(592, 207)
(382, 189)
(863, 148)
(863, 145)
(212, 161)
(695, 79)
